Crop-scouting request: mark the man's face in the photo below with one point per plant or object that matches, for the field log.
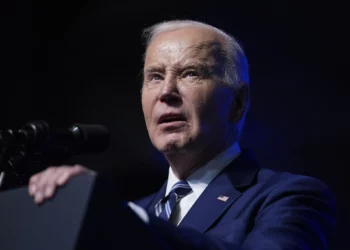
(185, 103)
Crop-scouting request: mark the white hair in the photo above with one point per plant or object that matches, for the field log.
(236, 66)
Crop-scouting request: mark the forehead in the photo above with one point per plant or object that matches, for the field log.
(185, 44)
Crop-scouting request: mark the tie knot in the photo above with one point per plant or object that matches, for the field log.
(181, 189)
(165, 206)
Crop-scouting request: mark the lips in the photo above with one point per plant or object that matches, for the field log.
(171, 117)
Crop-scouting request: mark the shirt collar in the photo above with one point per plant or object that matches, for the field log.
(201, 178)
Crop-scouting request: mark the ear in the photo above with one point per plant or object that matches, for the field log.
(240, 102)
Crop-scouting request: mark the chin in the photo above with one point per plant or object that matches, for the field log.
(171, 146)
(172, 142)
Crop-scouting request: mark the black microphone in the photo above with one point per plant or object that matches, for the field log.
(30, 149)
(37, 136)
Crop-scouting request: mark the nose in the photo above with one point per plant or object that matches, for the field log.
(169, 93)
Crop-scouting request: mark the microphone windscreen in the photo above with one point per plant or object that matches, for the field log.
(93, 138)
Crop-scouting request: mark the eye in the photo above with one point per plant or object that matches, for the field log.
(155, 77)
(191, 73)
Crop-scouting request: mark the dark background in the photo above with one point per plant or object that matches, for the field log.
(80, 61)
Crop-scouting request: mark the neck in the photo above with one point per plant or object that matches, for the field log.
(184, 164)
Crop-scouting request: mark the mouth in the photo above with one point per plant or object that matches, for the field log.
(171, 118)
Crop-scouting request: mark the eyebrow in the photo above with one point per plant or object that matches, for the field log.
(201, 66)
(153, 69)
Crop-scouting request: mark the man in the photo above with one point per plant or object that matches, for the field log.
(194, 99)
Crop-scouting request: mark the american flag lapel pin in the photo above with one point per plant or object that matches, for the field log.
(223, 198)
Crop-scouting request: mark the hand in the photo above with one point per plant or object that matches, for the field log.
(42, 186)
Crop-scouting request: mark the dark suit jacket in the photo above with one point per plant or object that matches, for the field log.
(265, 210)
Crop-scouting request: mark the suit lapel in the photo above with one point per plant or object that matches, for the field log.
(208, 207)
(227, 185)
(157, 197)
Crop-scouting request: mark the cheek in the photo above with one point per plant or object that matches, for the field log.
(213, 107)
(146, 108)
(148, 101)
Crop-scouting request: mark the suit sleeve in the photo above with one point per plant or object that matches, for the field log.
(297, 215)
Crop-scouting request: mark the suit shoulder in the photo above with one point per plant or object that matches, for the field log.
(288, 183)
(286, 178)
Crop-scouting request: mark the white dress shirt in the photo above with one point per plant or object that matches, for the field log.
(198, 181)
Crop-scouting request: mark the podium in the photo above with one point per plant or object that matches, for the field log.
(85, 214)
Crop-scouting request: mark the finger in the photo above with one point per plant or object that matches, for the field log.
(38, 198)
(52, 180)
(69, 173)
(31, 189)
(32, 183)
(46, 182)
(63, 178)
(49, 191)
(42, 182)
(34, 178)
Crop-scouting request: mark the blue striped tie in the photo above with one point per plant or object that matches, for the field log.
(166, 205)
